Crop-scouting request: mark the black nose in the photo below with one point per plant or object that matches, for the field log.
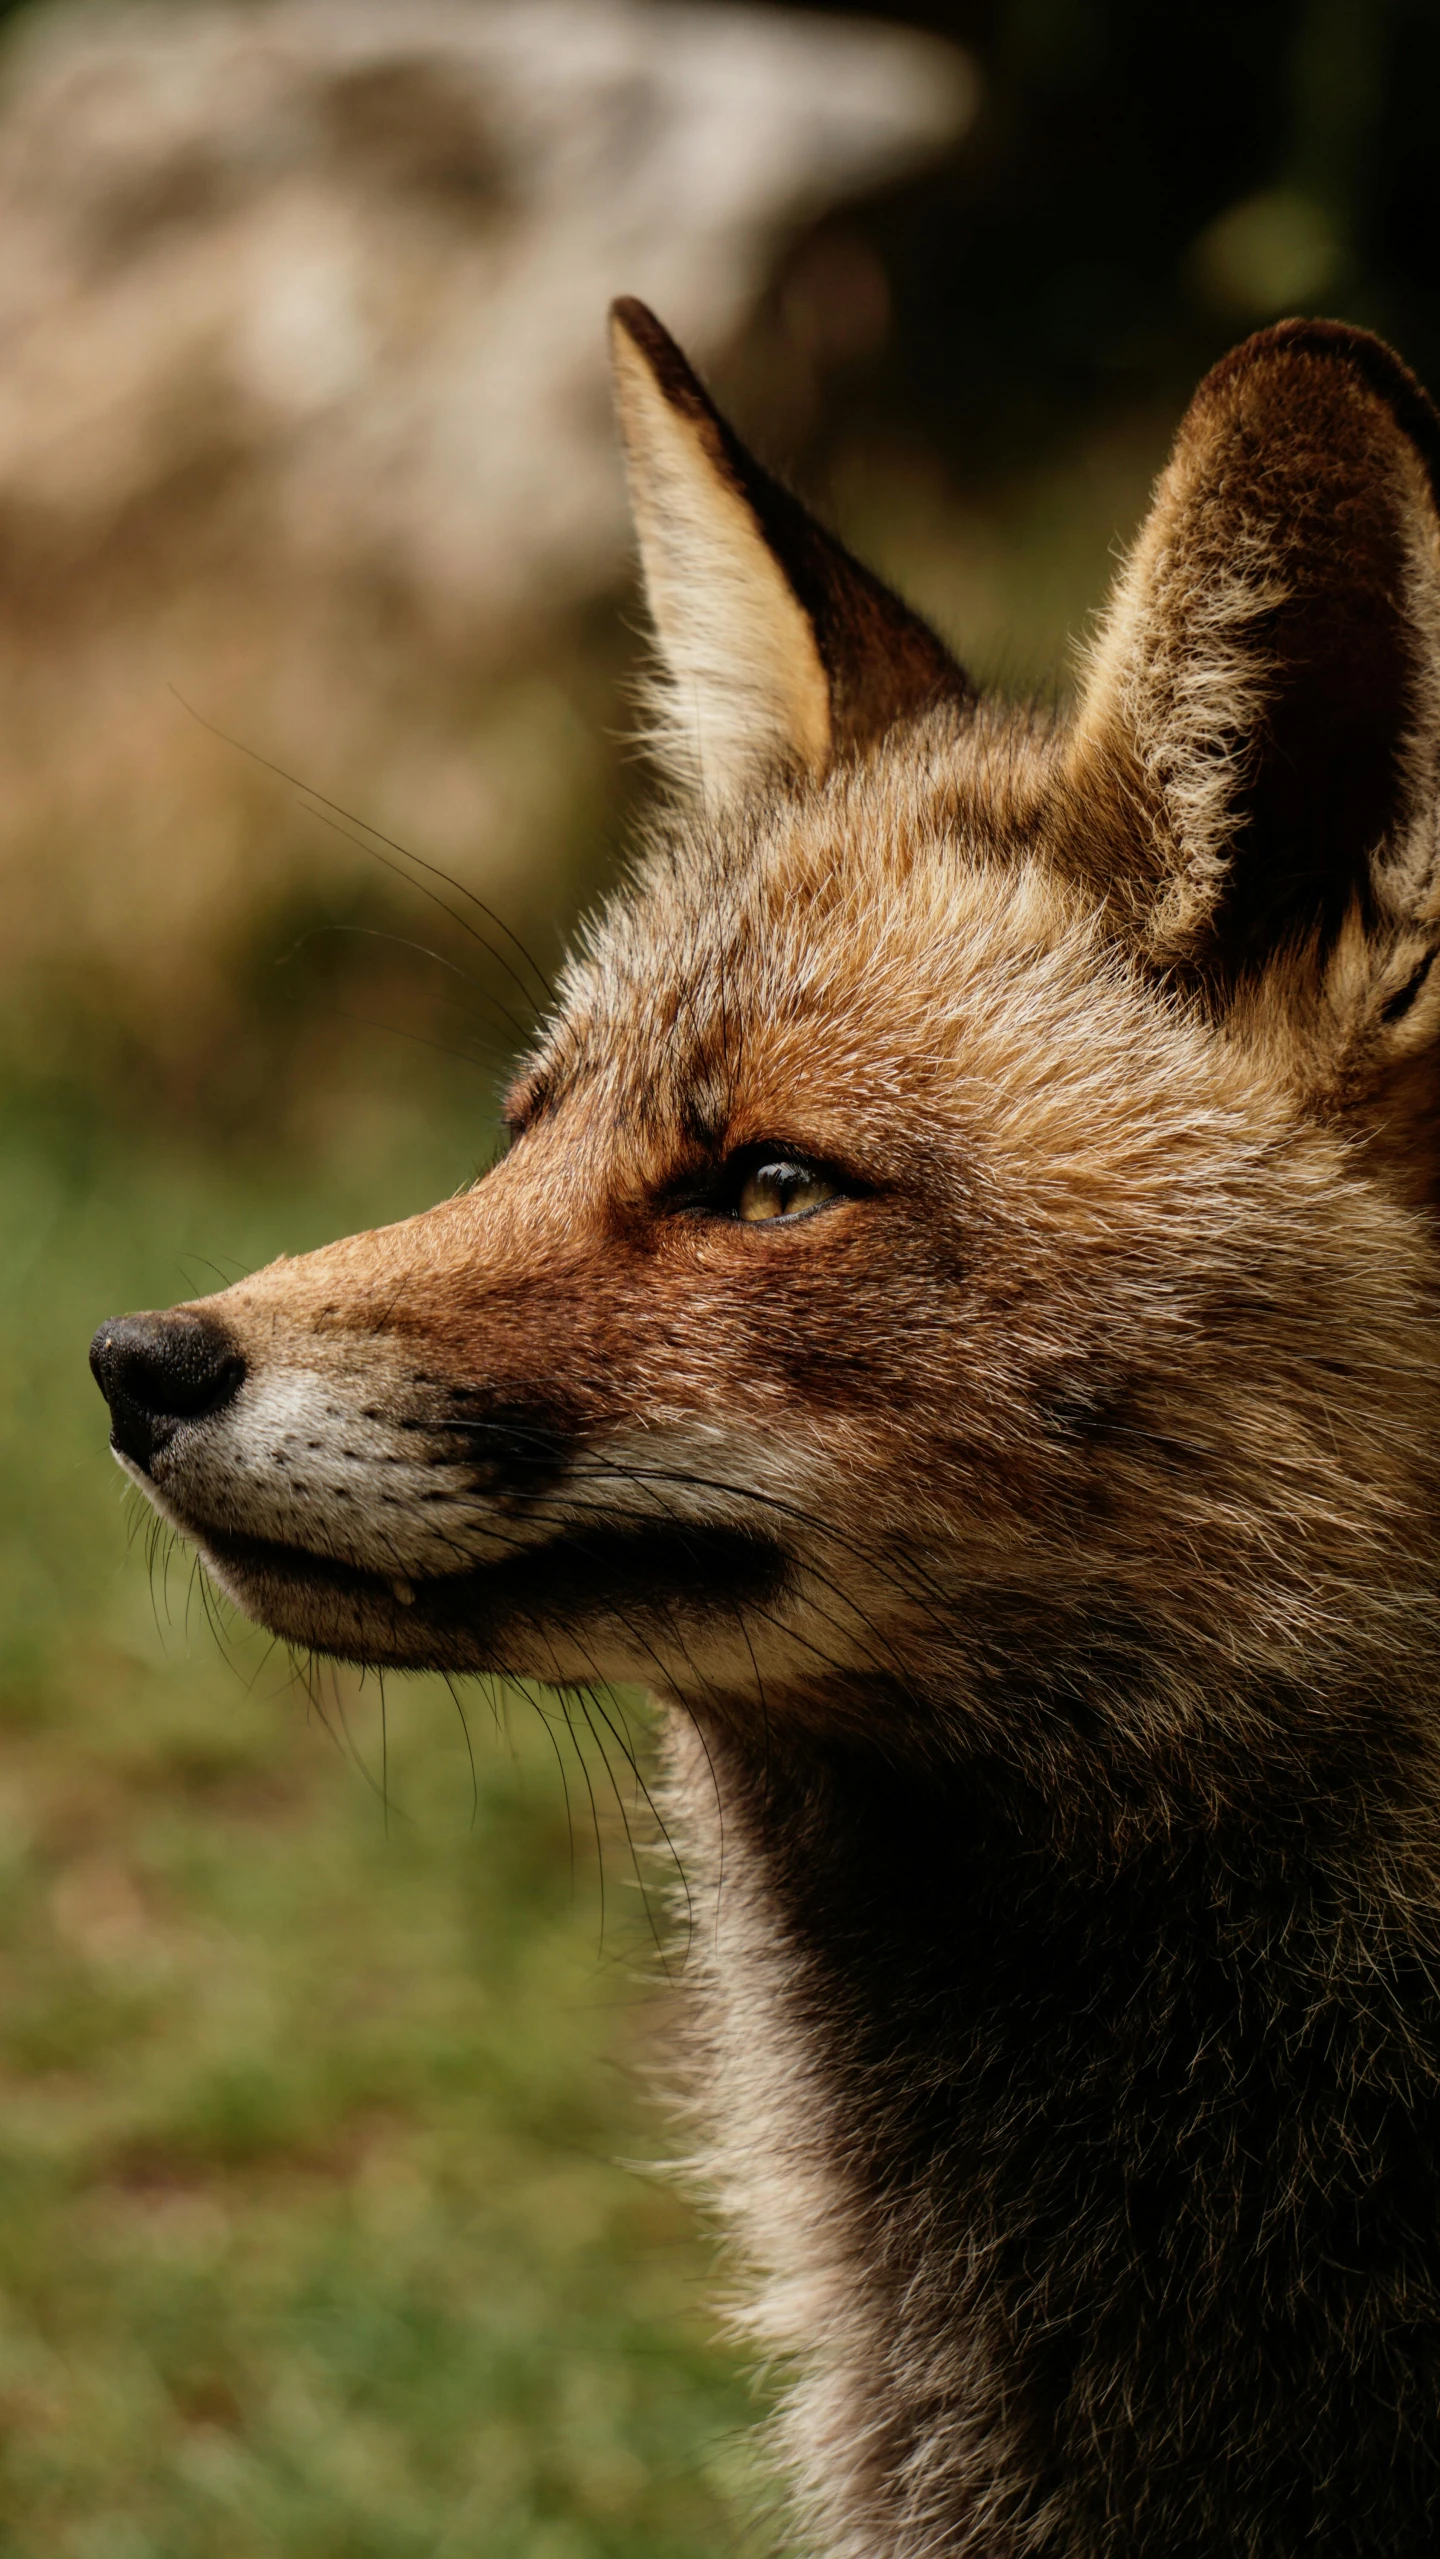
(157, 1371)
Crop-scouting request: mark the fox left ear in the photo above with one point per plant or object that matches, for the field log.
(779, 651)
(1255, 766)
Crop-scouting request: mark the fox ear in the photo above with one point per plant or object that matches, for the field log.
(1262, 719)
(779, 652)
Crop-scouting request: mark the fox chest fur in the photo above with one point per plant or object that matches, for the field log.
(958, 1321)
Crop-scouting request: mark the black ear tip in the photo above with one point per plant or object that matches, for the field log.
(635, 320)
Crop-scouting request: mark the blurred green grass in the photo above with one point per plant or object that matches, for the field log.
(315, 2236)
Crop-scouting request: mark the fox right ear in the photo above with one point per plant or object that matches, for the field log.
(1261, 729)
(779, 651)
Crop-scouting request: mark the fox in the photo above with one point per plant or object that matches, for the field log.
(958, 1322)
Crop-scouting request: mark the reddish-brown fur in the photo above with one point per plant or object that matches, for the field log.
(1036, 1542)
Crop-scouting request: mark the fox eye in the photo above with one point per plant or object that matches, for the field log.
(782, 1186)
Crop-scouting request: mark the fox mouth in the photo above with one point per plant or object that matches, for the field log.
(519, 1571)
(511, 1615)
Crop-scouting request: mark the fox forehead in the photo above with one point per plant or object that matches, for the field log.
(889, 961)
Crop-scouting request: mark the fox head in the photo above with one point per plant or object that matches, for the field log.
(964, 1270)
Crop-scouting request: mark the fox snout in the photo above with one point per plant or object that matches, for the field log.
(430, 1447)
(328, 1472)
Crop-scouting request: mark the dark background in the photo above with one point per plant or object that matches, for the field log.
(1070, 259)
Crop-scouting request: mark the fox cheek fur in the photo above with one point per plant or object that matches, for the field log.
(958, 1320)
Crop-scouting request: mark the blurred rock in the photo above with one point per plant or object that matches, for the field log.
(303, 413)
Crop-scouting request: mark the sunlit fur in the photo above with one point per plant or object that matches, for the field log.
(1036, 1549)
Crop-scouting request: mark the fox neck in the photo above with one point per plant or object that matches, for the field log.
(1090, 2150)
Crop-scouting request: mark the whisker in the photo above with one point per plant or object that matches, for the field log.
(372, 933)
(564, 1784)
(367, 1022)
(384, 1751)
(586, 1697)
(379, 933)
(337, 811)
(868, 1555)
(564, 1508)
(565, 1695)
(311, 1666)
(593, 1692)
(206, 1262)
(469, 1747)
(623, 1472)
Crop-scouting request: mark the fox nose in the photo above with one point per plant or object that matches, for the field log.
(157, 1371)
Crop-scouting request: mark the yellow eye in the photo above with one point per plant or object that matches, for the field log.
(782, 1188)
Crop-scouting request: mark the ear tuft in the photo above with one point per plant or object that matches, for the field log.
(779, 651)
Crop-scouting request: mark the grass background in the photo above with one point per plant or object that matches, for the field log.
(315, 2232)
